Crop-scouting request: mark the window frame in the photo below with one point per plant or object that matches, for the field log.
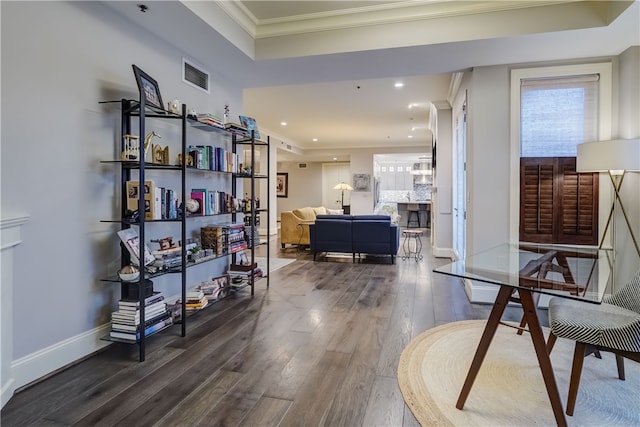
(605, 106)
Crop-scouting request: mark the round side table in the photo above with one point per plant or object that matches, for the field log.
(407, 251)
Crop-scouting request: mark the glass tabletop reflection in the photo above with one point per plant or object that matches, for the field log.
(581, 273)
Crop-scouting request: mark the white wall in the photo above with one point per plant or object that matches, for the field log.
(488, 158)
(305, 186)
(627, 261)
(58, 60)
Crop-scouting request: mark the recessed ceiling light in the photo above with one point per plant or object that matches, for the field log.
(410, 136)
(398, 84)
(283, 123)
(410, 106)
(335, 158)
(315, 139)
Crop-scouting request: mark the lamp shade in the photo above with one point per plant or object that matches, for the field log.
(614, 155)
(343, 186)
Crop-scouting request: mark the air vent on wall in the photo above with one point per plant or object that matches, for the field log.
(195, 76)
(302, 165)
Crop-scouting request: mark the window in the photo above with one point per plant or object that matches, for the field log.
(557, 108)
(556, 114)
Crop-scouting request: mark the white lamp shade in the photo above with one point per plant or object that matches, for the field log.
(343, 186)
(614, 155)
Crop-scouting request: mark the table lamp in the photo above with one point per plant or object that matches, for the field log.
(342, 187)
(616, 157)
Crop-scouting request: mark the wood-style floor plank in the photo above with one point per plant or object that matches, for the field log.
(320, 347)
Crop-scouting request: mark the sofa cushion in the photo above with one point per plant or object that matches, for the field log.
(335, 211)
(306, 214)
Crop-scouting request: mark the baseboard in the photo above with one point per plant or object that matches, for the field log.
(44, 362)
(480, 292)
(7, 391)
(443, 252)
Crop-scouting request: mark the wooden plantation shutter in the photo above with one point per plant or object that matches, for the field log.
(557, 205)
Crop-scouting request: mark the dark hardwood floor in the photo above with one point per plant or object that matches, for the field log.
(320, 347)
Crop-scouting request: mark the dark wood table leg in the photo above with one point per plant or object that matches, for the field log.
(489, 331)
(537, 337)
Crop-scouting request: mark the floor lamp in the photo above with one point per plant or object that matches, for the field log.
(616, 157)
(342, 187)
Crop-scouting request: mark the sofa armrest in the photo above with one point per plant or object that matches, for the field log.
(291, 231)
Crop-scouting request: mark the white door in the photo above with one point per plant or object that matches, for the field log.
(332, 175)
(460, 183)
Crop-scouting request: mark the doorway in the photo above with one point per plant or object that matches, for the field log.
(460, 182)
(333, 174)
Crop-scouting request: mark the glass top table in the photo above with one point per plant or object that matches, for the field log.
(581, 273)
(521, 270)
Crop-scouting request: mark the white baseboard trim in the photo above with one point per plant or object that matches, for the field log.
(486, 293)
(443, 252)
(8, 387)
(480, 292)
(43, 362)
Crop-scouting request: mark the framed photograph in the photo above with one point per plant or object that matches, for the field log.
(150, 88)
(361, 182)
(282, 184)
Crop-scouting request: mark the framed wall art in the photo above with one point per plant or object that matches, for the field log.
(361, 182)
(282, 184)
(150, 88)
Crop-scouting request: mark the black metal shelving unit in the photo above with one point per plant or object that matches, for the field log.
(240, 142)
(137, 169)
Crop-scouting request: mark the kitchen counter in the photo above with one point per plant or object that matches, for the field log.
(424, 211)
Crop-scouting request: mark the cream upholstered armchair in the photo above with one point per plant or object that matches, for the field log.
(294, 228)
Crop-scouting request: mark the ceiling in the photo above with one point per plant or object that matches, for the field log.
(328, 68)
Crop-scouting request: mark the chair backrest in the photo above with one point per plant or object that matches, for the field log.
(628, 296)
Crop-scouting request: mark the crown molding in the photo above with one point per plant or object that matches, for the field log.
(387, 13)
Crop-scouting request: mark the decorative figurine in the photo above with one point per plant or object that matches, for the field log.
(225, 117)
(165, 243)
(174, 106)
(131, 150)
(129, 273)
(147, 142)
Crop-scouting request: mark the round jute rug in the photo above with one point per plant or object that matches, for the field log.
(509, 389)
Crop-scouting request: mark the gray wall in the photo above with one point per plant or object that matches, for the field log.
(58, 60)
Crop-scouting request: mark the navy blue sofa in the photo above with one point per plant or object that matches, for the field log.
(354, 234)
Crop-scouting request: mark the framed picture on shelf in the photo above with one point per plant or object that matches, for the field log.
(150, 88)
(282, 184)
(250, 124)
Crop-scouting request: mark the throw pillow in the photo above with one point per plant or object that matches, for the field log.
(335, 211)
(320, 210)
(305, 214)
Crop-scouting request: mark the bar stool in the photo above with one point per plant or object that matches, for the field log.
(413, 215)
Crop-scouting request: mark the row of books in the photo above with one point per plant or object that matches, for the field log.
(213, 202)
(160, 202)
(213, 158)
(126, 322)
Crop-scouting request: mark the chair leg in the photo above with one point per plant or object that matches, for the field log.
(620, 364)
(551, 341)
(576, 371)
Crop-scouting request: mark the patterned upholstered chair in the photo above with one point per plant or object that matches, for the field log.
(612, 326)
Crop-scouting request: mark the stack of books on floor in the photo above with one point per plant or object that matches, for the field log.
(245, 272)
(196, 300)
(125, 323)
